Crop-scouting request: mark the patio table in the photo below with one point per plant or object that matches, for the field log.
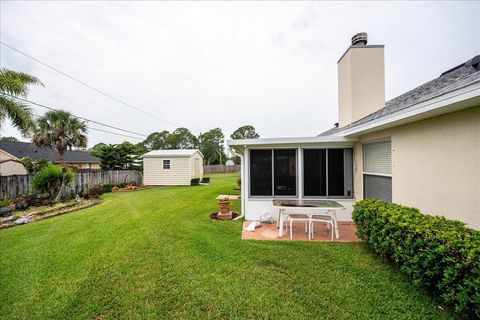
(309, 208)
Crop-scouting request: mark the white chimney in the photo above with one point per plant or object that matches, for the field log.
(361, 80)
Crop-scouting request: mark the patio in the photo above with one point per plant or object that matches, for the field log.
(269, 231)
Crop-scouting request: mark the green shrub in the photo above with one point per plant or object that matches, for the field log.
(106, 188)
(6, 202)
(438, 254)
(195, 182)
(206, 180)
(49, 179)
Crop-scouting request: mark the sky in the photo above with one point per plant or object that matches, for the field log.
(203, 65)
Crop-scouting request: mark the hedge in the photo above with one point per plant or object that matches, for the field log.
(438, 254)
(195, 182)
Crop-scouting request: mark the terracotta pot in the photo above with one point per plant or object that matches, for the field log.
(224, 206)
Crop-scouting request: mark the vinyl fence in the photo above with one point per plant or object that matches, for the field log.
(14, 186)
(220, 168)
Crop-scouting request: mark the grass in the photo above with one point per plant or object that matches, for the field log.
(155, 254)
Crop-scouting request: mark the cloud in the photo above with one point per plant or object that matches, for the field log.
(218, 64)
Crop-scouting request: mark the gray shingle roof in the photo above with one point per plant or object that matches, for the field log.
(26, 149)
(453, 79)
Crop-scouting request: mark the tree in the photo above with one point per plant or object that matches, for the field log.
(61, 131)
(117, 156)
(156, 141)
(211, 145)
(16, 84)
(8, 139)
(181, 138)
(33, 166)
(245, 132)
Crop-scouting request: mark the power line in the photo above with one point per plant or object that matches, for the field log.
(88, 86)
(106, 131)
(119, 134)
(88, 120)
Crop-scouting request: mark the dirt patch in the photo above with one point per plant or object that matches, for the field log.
(214, 215)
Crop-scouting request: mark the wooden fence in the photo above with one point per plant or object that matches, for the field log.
(14, 186)
(220, 168)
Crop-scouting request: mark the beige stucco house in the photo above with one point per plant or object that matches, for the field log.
(421, 149)
(172, 167)
(16, 150)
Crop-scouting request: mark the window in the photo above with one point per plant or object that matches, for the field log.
(261, 172)
(273, 172)
(377, 170)
(328, 173)
(285, 172)
(166, 164)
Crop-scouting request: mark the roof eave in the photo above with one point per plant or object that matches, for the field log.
(462, 98)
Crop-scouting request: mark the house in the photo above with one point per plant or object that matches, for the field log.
(15, 150)
(10, 167)
(172, 167)
(420, 149)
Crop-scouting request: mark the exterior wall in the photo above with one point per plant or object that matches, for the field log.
(435, 165)
(6, 156)
(180, 172)
(197, 166)
(361, 83)
(9, 168)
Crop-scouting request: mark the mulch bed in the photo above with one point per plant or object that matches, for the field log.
(214, 216)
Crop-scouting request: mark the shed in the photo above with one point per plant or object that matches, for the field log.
(172, 167)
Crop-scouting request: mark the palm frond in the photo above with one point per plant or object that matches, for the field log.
(19, 113)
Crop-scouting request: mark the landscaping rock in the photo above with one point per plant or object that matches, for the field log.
(5, 211)
(24, 220)
(7, 219)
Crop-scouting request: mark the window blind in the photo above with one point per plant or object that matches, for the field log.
(377, 157)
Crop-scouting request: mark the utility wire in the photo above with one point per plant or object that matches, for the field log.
(88, 120)
(106, 131)
(88, 86)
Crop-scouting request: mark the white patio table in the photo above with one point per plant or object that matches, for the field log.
(309, 208)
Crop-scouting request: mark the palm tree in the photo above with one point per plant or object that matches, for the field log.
(15, 84)
(61, 131)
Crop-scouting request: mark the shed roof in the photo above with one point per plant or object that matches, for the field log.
(175, 153)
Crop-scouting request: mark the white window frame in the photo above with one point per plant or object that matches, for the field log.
(165, 163)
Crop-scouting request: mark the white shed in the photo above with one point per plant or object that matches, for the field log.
(172, 167)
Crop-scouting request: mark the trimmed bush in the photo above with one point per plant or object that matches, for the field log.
(106, 188)
(195, 182)
(206, 180)
(438, 254)
(49, 179)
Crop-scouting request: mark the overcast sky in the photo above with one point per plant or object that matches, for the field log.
(211, 64)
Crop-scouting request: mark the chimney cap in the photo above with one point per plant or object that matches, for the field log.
(360, 39)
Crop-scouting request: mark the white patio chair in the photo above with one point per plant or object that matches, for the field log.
(325, 218)
(292, 217)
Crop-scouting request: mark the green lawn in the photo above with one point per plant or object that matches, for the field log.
(156, 254)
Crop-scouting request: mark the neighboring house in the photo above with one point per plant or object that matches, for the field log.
(15, 150)
(172, 167)
(10, 167)
(421, 149)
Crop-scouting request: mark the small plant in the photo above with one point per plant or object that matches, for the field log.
(239, 183)
(195, 182)
(49, 179)
(206, 180)
(95, 191)
(106, 188)
(6, 202)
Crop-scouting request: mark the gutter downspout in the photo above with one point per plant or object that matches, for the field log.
(242, 186)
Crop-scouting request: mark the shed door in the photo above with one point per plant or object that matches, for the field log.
(197, 168)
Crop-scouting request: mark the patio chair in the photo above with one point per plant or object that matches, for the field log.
(292, 217)
(325, 218)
